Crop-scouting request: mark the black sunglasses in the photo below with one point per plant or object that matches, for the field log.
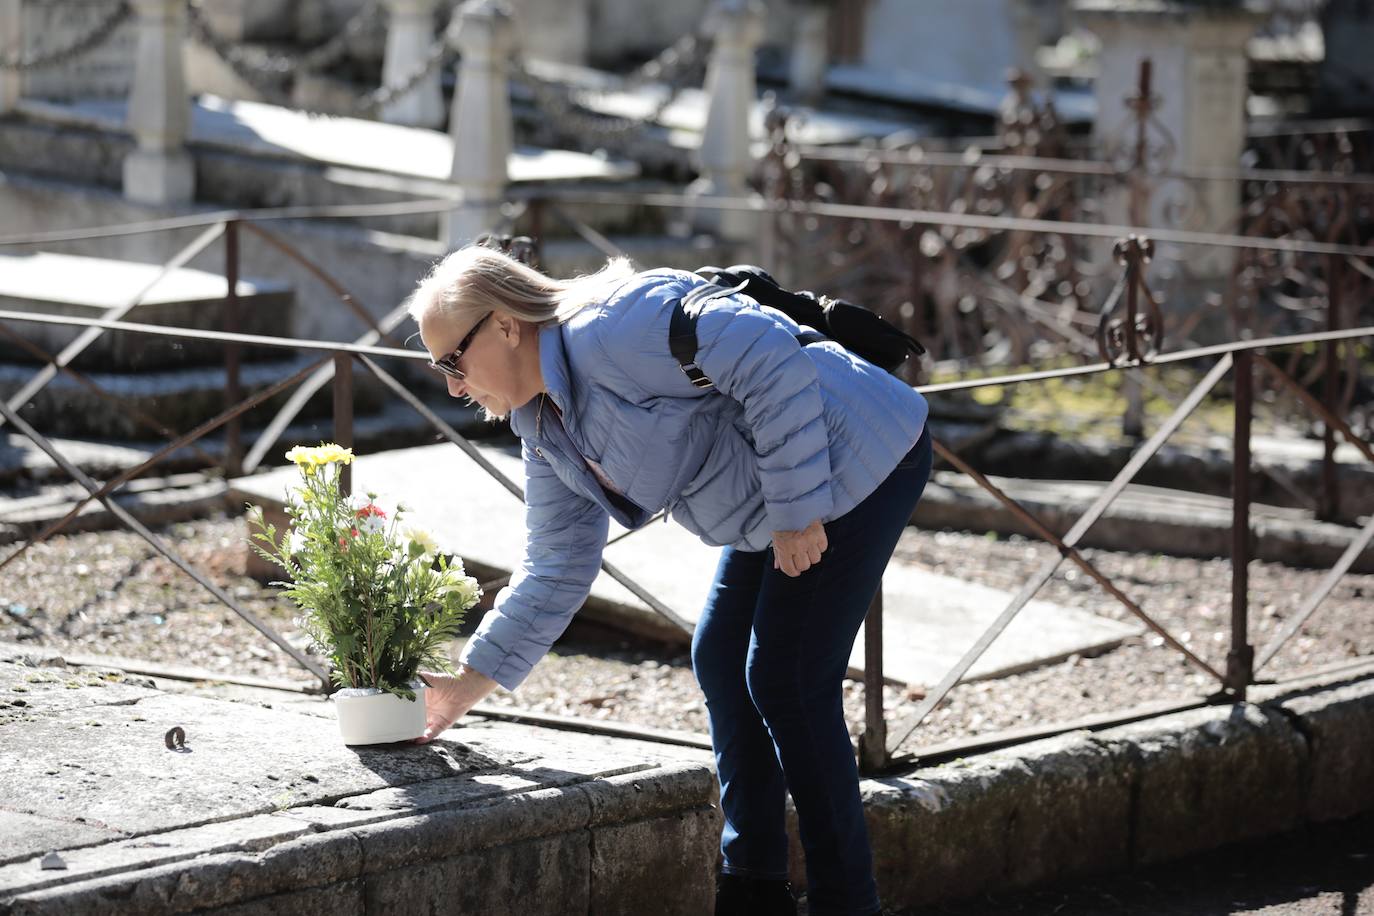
(448, 365)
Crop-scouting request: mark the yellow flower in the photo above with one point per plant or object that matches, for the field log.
(308, 459)
(331, 453)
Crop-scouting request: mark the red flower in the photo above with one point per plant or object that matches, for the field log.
(371, 509)
(343, 542)
(353, 532)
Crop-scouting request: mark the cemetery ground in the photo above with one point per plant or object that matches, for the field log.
(108, 593)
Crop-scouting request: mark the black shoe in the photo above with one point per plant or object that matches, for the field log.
(737, 895)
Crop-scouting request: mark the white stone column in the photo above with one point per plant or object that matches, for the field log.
(410, 32)
(11, 44)
(160, 170)
(735, 28)
(1199, 76)
(810, 52)
(480, 123)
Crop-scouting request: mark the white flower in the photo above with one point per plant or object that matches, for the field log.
(296, 543)
(371, 524)
(466, 587)
(423, 538)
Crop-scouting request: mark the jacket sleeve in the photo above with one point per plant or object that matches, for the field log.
(754, 358)
(565, 534)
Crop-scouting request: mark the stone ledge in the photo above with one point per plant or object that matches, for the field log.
(547, 836)
(264, 811)
(1099, 801)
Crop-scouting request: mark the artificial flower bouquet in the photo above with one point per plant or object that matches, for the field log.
(376, 597)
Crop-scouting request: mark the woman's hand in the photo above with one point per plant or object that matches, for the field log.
(794, 552)
(449, 698)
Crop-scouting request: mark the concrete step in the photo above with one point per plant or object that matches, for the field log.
(153, 501)
(180, 399)
(84, 287)
(392, 425)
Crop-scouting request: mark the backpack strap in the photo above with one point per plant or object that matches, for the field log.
(682, 330)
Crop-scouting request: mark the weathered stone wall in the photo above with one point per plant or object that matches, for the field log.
(1090, 802)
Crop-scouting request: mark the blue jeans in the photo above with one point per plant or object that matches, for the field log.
(770, 653)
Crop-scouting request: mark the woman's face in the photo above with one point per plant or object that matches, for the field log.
(493, 370)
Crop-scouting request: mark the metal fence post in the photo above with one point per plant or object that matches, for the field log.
(873, 755)
(1240, 661)
(343, 415)
(233, 352)
(1329, 501)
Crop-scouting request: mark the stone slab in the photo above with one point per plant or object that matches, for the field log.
(23, 836)
(931, 619)
(84, 287)
(260, 129)
(243, 760)
(266, 811)
(1142, 519)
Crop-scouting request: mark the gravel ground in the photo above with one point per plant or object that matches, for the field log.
(107, 592)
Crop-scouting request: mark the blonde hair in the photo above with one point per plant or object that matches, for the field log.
(478, 280)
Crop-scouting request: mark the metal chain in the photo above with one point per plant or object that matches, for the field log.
(266, 71)
(568, 107)
(98, 35)
(669, 64)
(441, 54)
(271, 89)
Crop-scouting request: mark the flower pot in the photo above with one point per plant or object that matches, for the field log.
(371, 716)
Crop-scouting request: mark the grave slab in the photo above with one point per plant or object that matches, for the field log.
(930, 620)
(263, 795)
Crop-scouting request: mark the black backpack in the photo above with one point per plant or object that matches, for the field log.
(852, 326)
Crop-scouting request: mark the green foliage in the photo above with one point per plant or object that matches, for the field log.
(376, 598)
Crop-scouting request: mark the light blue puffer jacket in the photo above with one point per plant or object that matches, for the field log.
(790, 434)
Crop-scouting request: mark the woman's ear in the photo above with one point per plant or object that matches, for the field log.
(510, 330)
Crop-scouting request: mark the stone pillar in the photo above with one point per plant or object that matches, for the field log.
(1198, 68)
(160, 170)
(560, 31)
(410, 32)
(11, 44)
(810, 52)
(480, 123)
(735, 28)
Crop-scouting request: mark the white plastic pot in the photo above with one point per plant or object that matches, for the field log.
(371, 716)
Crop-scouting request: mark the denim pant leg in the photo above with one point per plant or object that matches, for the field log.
(798, 647)
(753, 794)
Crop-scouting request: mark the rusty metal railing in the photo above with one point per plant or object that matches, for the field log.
(1127, 343)
(336, 366)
